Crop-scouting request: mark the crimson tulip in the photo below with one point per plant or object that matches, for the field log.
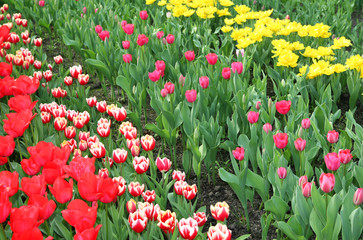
(62, 190)
(24, 219)
(283, 107)
(170, 39)
(138, 221)
(281, 140)
(88, 234)
(46, 207)
(5, 206)
(78, 166)
(33, 185)
(17, 123)
(7, 146)
(212, 58)
(9, 182)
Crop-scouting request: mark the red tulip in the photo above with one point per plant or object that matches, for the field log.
(9, 182)
(189, 192)
(141, 164)
(135, 189)
(163, 164)
(79, 215)
(300, 144)
(219, 232)
(332, 161)
(281, 140)
(220, 211)
(21, 102)
(237, 67)
(226, 73)
(188, 228)
(239, 153)
(212, 58)
(46, 207)
(169, 87)
(327, 182)
(62, 190)
(148, 142)
(252, 117)
(126, 44)
(128, 29)
(143, 15)
(142, 39)
(17, 123)
(283, 107)
(42, 152)
(204, 82)
(58, 59)
(358, 197)
(160, 34)
(332, 136)
(5, 69)
(170, 39)
(88, 234)
(78, 166)
(149, 196)
(38, 42)
(89, 186)
(138, 221)
(306, 189)
(267, 127)
(178, 175)
(30, 166)
(344, 156)
(305, 123)
(189, 55)
(281, 172)
(104, 34)
(167, 221)
(24, 219)
(7, 146)
(5, 206)
(200, 218)
(155, 76)
(34, 185)
(191, 95)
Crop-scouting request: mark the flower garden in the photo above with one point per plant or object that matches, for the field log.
(191, 119)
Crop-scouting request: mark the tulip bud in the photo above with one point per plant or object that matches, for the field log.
(327, 182)
(282, 172)
(270, 104)
(302, 180)
(239, 153)
(131, 206)
(332, 136)
(358, 197)
(345, 156)
(300, 144)
(168, 14)
(267, 127)
(306, 189)
(305, 123)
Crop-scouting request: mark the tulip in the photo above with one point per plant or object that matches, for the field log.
(155, 76)
(7, 145)
(148, 142)
(62, 190)
(204, 82)
(138, 221)
(58, 59)
(48, 75)
(103, 173)
(226, 73)
(46, 207)
(79, 215)
(33, 185)
(98, 29)
(179, 187)
(281, 140)
(167, 221)
(302, 180)
(200, 218)
(220, 211)
(252, 117)
(189, 55)
(119, 155)
(160, 34)
(135, 189)
(141, 164)
(332, 161)
(170, 39)
(188, 228)
(163, 164)
(147, 208)
(305, 123)
(344, 156)
(181, 80)
(126, 44)
(128, 29)
(212, 58)
(283, 107)
(191, 95)
(281, 172)
(5, 206)
(169, 87)
(327, 181)
(131, 206)
(267, 127)
(70, 132)
(300, 144)
(189, 192)
(38, 42)
(306, 189)
(104, 130)
(258, 105)
(163, 92)
(30, 166)
(75, 71)
(88, 234)
(237, 67)
(149, 196)
(219, 232)
(83, 79)
(142, 40)
(24, 219)
(178, 175)
(121, 185)
(358, 197)
(108, 190)
(9, 182)
(41, 3)
(143, 15)
(101, 106)
(239, 153)
(60, 123)
(98, 150)
(332, 136)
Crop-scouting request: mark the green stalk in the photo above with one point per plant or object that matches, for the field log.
(3, 235)
(18, 143)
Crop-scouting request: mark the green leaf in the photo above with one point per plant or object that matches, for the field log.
(100, 66)
(243, 237)
(277, 206)
(289, 231)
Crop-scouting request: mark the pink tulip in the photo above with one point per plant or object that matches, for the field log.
(332, 161)
(305, 123)
(191, 95)
(143, 15)
(327, 181)
(252, 117)
(358, 197)
(282, 172)
(267, 127)
(226, 73)
(345, 156)
(300, 144)
(204, 82)
(302, 180)
(332, 136)
(281, 140)
(239, 153)
(212, 58)
(237, 66)
(189, 55)
(306, 189)
(170, 39)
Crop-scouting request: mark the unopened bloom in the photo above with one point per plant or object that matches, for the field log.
(252, 117)
(300, 144)
(267, 127)
(239, 153)
(163, 164)
(188, 228)
(332, 161)
(332, 136)
(281, 172)
(283, 107)
(358, 196)
(327, 182)
(220, 211)
(212, 58)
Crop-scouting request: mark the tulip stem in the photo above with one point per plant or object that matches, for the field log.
(344, 169)
(19, 149)
(326, 207)
(3, 236)
(106, 209)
